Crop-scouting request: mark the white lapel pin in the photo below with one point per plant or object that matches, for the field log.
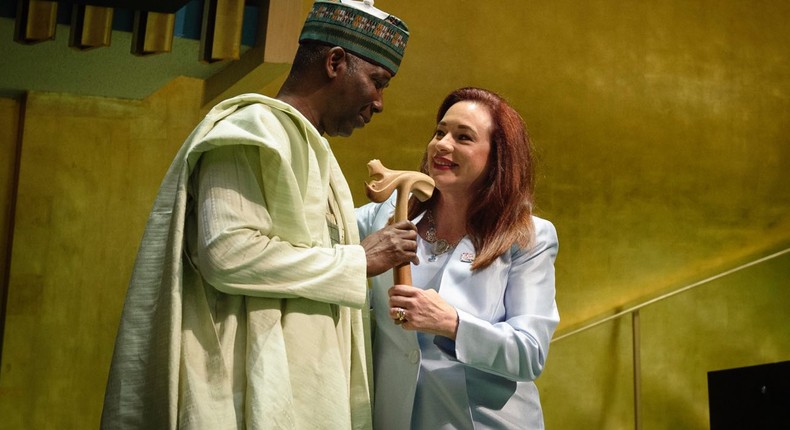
(467, 257)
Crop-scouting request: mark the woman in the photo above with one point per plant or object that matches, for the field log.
(461, 348)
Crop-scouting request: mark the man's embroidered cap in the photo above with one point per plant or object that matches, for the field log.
(360, 28)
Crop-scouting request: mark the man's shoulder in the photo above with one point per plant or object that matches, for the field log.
(256, 108)
(241, 100)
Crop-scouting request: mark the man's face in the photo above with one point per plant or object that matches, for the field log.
(360, 95)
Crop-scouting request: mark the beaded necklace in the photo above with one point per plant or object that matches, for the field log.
(440, 246)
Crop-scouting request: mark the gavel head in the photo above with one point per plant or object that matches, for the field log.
(385, 181)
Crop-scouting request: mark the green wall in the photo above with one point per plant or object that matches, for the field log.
(661, 129)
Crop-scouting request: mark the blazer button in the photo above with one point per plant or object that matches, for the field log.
(414, 356)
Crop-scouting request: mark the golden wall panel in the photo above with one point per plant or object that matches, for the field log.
(90, 168)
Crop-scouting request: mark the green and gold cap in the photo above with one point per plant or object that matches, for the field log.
(360, 28)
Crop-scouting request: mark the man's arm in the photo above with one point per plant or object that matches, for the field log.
(239, 251)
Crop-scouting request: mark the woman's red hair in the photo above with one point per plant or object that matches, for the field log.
(500, 213)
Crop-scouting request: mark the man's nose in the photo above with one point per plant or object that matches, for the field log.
(378, 103)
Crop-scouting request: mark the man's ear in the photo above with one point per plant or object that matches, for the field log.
(335, 61)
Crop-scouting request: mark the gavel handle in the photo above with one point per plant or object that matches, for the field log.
(402, 275)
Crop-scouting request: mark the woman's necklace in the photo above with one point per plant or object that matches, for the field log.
(440, 246)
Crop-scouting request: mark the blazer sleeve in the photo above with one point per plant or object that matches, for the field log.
(516, 347)
(372, 217)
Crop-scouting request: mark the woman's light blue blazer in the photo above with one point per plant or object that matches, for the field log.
(507, 316)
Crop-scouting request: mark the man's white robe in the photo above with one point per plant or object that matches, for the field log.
(276, 336)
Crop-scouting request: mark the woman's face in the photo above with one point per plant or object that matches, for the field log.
(458, 151)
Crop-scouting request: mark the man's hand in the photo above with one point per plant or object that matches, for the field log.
(392, 246)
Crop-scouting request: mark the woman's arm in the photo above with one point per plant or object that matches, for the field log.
(517, 347)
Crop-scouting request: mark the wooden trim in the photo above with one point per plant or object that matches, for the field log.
(36, 21)
(91, 27)
(279, 24)
(220, 37)
(152, 32)
(5, 279)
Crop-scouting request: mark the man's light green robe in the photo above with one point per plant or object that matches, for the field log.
(278, 343)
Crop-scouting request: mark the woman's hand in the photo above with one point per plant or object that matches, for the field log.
(422, 310)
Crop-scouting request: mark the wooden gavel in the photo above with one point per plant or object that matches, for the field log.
(384, 182)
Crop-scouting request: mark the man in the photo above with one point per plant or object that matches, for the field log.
(246, 305)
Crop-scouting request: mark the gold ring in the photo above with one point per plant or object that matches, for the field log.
(401, 314)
